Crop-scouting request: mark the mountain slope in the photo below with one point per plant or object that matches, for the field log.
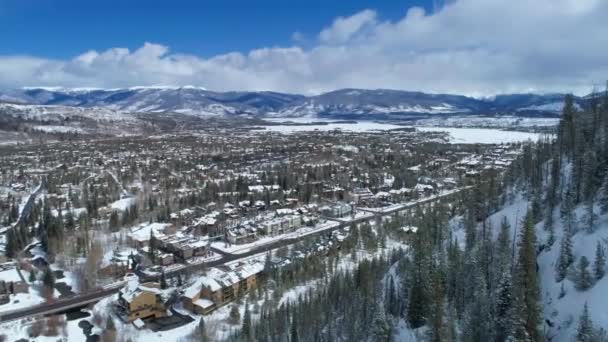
(344, 103)
(188, 100)
(361, 102)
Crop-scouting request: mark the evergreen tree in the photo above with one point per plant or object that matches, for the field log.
(201, 331)
(418, 303)
(69, 221)
(604, 192)
(247, 333)
(235, 315)
(504, 308)
(566, 127)
(527, 291)
(152, 247)
(14, 213)
(599, 265)
(589, 175)
(294, 337)
(565, 258)
(32, 276)
(567, 210)
(478, 323)
(590, 217)
(163, 280)
(11, 247)
(380, 330)
(504, 248)
(584, 332)
(583, 280)
(113, 224)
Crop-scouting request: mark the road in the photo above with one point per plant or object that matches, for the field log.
(81, 300)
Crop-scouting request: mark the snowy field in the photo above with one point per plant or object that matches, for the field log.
(458, 135)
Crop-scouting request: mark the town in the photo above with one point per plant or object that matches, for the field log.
(169, 227)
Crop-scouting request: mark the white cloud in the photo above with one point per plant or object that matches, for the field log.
(343, 29)
(478, 47)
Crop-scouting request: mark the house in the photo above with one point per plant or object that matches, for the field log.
(398, 195)
(139, 301)
(383, 196)
(272, 226)
(139, 236)
(221, 285)
(337, 210)
(165, 259)
(424, 189)
(362, 195)
(160, 258)
(207, 222)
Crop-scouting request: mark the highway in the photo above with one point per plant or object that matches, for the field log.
(83, 299)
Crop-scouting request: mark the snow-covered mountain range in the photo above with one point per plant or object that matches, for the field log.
(345, 103)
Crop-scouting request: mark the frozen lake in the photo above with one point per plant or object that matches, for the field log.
(483, 135)
(458, 135)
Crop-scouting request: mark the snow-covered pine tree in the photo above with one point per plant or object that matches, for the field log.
(526, 283)
(603, 197)
(590, 217)
(565, 257)
(380, 330)
(599, 264)
(503, 307)
(584, 332)
(246, 329)
(583, 279)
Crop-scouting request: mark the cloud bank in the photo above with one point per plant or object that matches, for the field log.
(474, 47)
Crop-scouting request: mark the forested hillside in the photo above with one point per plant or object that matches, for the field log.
(519, 258)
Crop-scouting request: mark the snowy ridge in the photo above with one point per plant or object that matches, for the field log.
(562, 312)
(345, 103)
(46, 112)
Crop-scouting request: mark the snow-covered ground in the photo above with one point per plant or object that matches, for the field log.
(562, 312)
(483, 135)
(458, 135)
(123, 204)
(22, 300)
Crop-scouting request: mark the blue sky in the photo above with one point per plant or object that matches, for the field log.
(471, 47)
(64, 28)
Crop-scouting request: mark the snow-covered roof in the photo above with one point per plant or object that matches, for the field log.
(203, 303)
(142, 232)
(216, 278)
(133, 289)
